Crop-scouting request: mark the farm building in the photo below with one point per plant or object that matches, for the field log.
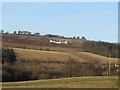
(59, 42)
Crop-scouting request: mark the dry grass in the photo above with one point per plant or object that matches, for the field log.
(90, 57)
(42, 55)
(99, 58)
(28, 54)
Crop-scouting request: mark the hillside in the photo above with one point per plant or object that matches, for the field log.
(25, 39)
(43, 42)
(27, 54)
(42, 59)
(76, 82)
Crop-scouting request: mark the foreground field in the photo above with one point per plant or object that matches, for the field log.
(75, 82)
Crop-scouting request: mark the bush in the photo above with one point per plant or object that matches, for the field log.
(8, 55)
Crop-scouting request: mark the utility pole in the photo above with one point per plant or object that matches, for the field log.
(109, 67)
(109, 64)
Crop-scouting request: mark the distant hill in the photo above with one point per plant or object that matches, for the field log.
(39, 42)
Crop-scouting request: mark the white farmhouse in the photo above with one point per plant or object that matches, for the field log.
(59, 42)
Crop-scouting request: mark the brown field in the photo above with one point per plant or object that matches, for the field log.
(28, 54)
(95, 57)
(43, 55)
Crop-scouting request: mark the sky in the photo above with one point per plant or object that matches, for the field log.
(94, 20)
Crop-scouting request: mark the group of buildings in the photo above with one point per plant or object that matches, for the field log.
(59, 42)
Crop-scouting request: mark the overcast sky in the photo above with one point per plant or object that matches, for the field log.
(95, 21)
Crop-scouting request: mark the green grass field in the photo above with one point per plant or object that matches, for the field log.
(74, 82)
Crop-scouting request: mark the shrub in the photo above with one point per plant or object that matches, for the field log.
(8, 55)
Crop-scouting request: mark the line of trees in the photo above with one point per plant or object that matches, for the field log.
(38, 34)
(21, 33)
(102, 48)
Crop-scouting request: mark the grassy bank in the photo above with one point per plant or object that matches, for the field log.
(75, 82)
